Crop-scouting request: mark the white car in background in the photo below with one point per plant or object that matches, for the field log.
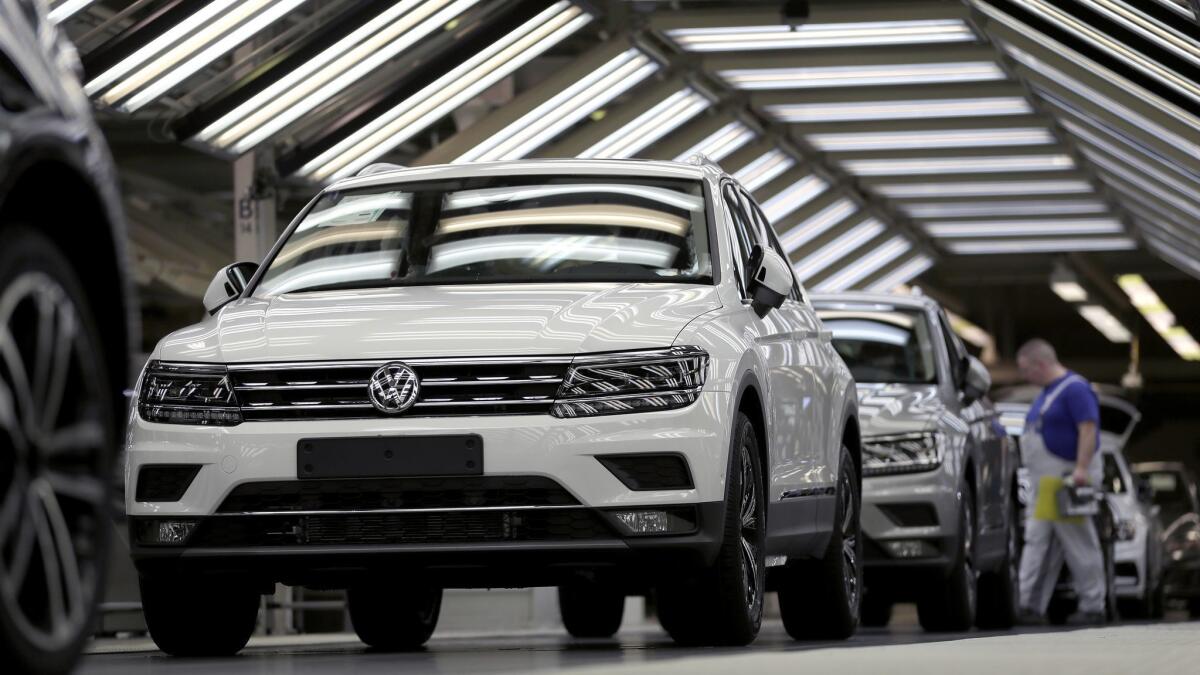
(600, 375)
(1137, 555)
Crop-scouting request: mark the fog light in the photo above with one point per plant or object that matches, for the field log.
(165, 532)
(910, 548)
(653, 521)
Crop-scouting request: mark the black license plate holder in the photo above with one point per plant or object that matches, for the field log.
(389, 456)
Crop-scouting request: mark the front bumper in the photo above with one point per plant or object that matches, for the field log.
(489, 546)
(910, 521)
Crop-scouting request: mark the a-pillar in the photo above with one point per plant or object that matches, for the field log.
(253, 206)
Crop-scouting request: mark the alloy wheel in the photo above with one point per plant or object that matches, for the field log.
(749, 527)
(53, 478)
(849, 532)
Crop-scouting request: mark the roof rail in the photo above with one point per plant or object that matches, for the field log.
(701, 159)
(379, 167)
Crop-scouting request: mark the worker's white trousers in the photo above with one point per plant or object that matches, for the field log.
(1049, 542)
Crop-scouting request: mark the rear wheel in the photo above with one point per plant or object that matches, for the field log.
(591, 610)
(950, 605)
(394, 616)
(999, 596)
(199, 616)
(819, 600)
(723, 605)
(57, 442)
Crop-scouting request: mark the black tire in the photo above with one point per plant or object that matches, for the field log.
(949, 604)
(820, 599)
(723, 605)
(198, 616)
(1193, 608)
(876, 610)
(1108, 544)
(591, 610)
(394, 617)
(999, 590)
(55, 488)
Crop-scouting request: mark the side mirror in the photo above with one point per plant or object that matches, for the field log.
(228, 284)
(977, 380)
(770, 280)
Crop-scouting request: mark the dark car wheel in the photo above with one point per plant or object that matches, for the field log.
(999, 594)
(56, 453)
(590, 609)
(199, 616)
(393, 617)
(820, 600)
(949, 605)
(723, 605)
(876, 610)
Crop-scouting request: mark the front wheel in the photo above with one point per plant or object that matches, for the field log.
(999, 596)
(723, 605)
(819, 600)
(950, 604)
(393, 616)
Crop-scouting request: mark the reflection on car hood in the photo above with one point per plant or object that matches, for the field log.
(898, 408)
(424, 321)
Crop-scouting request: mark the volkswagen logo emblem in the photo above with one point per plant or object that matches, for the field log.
(393, 388)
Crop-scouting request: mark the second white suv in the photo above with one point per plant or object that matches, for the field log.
(599, 375)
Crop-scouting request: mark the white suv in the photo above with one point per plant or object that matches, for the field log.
(599, 375)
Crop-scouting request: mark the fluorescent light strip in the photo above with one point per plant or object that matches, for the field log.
(815, 35)
(1104, 322)
(982, 189)
(854, 76)
(1158, 315)
(901, 275)
(540, 125)
(1136, 59)
(1022, 228)
(793, 197)
(764, 169)
(1022, 208)
(817, 224)
(348, 60)
(66, 9)
(658, 121)
(937, 138)
(1069, 291)
(849, 111)
(446, 93)
(865, 266)
(197, 20)
(1149, 27)
(1138, 179)
(837, 249)
(1130, 151)
(166, 71)
(1002, 246)
(1169, 252)
(952, 165)
(721, 143)
(1181, 7)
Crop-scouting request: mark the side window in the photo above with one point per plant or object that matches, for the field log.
(772, 239)
(954, 348)
(743, 232)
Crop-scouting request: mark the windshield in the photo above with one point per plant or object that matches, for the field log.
(498, 230)
(885, 345)
(1170, 493)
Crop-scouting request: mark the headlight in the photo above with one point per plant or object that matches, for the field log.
(901, 453)
(1126, 529)
(643, 381)
(188, 394)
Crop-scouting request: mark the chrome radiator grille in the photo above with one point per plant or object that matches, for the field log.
(338, 390)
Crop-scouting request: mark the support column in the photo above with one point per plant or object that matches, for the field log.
(253, 206)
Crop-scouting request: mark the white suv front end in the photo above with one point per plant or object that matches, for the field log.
(517, 374)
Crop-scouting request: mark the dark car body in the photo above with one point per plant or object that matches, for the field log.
(1174, 491)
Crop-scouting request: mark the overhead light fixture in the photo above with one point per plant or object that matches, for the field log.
(1134, 153)
(660, 120)
(181, 51)
(721, 143)
(815, 77)
(1022, 228)
(818, 35)
(1003, 246)
(1156, 313)
(981, 189)
(952, 165)
(542, 124)
(1180, 7)
(1138, 179)
(792, 197)
(1149, 27)
(1069, 291)
(1103, 321)
(66, 9)
(837, 249)
(364, 50)
(904, 273)
(853, 111)
(935, 138)
(817, 224)
(443, 95)
(865, 266)
(763, 170)
(1001, 208)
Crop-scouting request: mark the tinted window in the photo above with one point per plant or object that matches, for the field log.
(954, 349)
(498, 230)
(883, 345)
(743, 231)
(772, 240)
(1170, 494)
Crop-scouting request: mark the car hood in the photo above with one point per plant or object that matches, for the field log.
(426, 321)
(898, 408)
